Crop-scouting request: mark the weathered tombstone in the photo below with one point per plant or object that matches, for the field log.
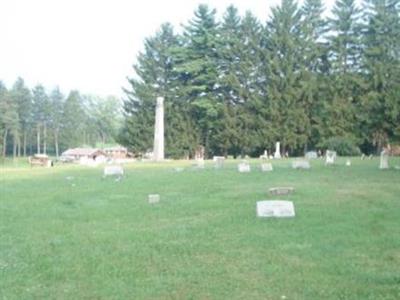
(265, 155)
(218, 161)
(285, 190)
(330, 157)
(275, 208)
(244, 167)
(384, 163)
(266, 167)
(348, 163)
(277, 154)
(115, 170)
(199, 164)
(154, 198)
(311, 155)
(158, 151)
(301, 164)
(362, 156)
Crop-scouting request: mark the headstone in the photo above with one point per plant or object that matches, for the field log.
(275, 208)
(199, 164)
(266, 167)
(311, 155)
(384, 163)
(158, 151)
(362, 156)
(218, 161)
(277, 154)
(244, 167)
(113, 171)
(154, 198)
(330, 157)
(301, 164)
(348, 163)
(281, 190)
(178, 169)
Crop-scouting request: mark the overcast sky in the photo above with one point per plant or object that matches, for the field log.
(90, 45)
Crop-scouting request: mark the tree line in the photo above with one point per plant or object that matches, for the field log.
(36, 121)
(237, 86)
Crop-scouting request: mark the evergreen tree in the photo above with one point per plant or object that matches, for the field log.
(197, 72)
(344, 57)
(73, 119)
(56, 116)
(155, 76)
(21, 95)
(287, 113)
(40, 113)
(381, 64)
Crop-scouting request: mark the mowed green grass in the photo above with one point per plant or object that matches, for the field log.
(94, 238)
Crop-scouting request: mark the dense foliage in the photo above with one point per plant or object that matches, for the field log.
(237, 86)
(37, 121)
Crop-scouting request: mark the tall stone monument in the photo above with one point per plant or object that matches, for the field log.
(158, 151)
(277, 153)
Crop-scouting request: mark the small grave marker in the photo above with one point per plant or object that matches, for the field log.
(281, 190)
(154, 198)
(115, 170)
(244, 167)
(266, 167)
(275, 208)
(301, 164)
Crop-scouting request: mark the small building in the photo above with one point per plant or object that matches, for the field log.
(76, 154)
(117, 152)
(40, 160)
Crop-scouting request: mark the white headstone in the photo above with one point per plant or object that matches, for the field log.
(154, 198)
(200, 163)
(113, 171)
(286, 190)
(384, 163)
(311, 155)
(218, 161)
(301, 164)
(266, 167)
(275, 208)
(348, 163)
(277, 154)
(244, 167)
(158, 151)
(330, 157)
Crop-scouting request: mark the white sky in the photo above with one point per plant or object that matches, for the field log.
(90, 45)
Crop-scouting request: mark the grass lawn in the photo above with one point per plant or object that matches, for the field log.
(91, 238)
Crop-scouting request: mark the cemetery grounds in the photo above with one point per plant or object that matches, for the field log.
(67, 233)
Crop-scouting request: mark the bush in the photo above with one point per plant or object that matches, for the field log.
(343, 146)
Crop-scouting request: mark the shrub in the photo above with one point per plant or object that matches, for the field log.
(343, 146)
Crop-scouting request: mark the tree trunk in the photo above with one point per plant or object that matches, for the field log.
(19, 146)
(5, 142)
(25, 142)
(38, 139)
(15, 142)
(44, 138)
(56, 141)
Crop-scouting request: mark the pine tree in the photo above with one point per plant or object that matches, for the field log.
(9, 119)
(381, 64)
(196, 69)
(155, 76)
(56, 114)
(40, 110)
(73, 120)
(344, 57)
(21, 95)
(285, 61)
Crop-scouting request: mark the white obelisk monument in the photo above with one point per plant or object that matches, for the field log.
(158, 151)
(277, 154)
